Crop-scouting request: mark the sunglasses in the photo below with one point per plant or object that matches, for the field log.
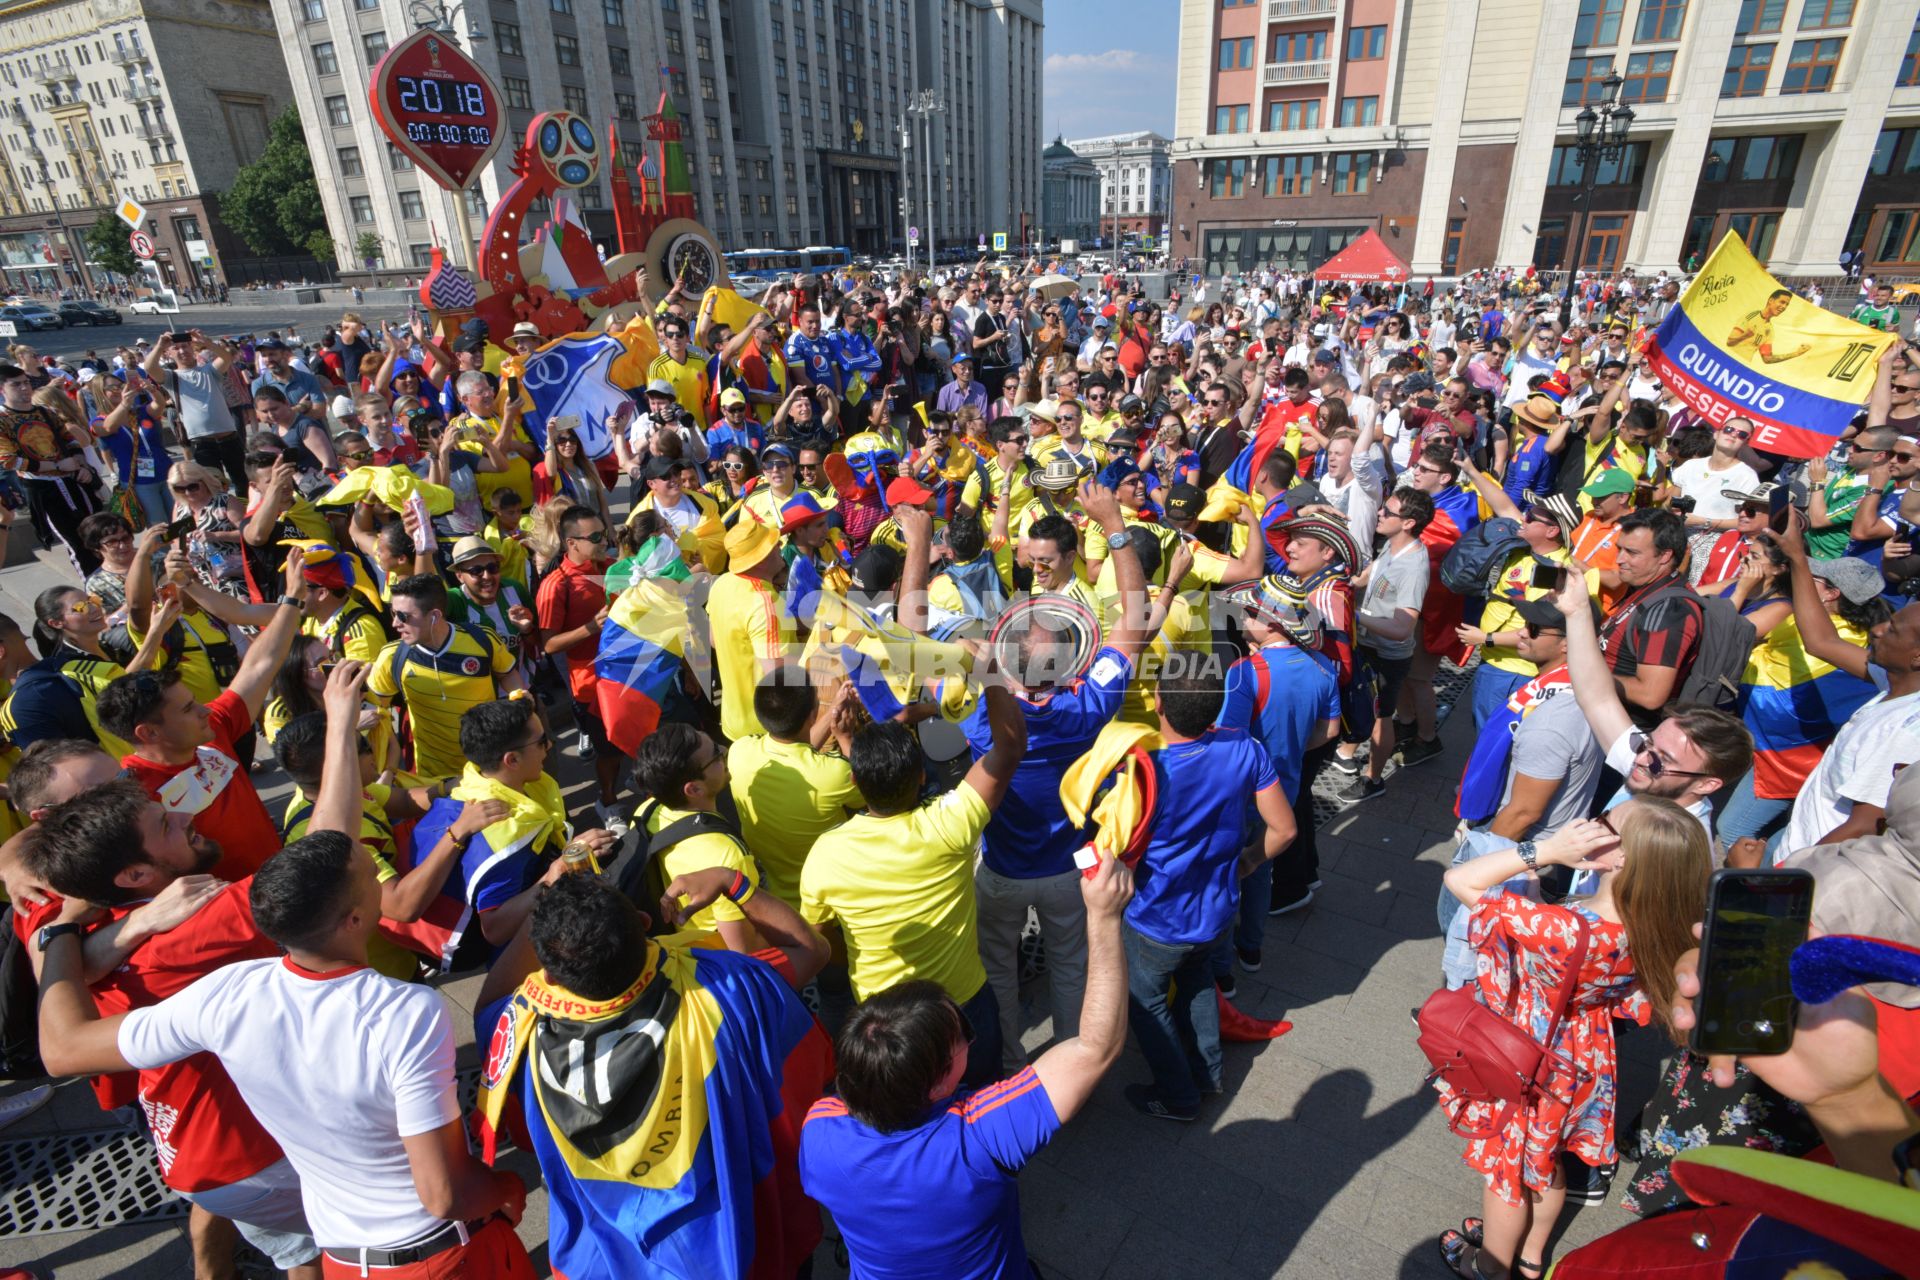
(597, 539)
(490, 569)
(1751, 509)
(733, 466)
(1534, 631)
(1656, 766)
(359, 455)
(191, 487)
(408, 618)
(1541, 517)
(1735, 432)
(544, 742)
(85, 604)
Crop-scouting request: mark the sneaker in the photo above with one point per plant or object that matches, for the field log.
(612, 820)
(1349, 765)
(23, 1104)
(1225, 984)
(1360, 789)
(1588, 1184)
(586, 747)
(1418, 751)
(1281, 908)
(1249, 958)
(1402, 730)
(1146, 1099)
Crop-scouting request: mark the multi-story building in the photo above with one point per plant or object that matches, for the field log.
(158, 100)
(792, 110)
(1451, 130)
(1070, 202)
(1136, 181)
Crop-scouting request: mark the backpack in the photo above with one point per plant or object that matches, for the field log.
(402, 651)
(1720, 663)
(982, 596)
(1473, 565)
(1484, 1057)
(643, 879)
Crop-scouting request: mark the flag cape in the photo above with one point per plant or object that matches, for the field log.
(643, 649)
(574, 377)
(1484, 780)
(889, 665)
(667, 1119)
(1794, 704)
(389, 486)
(1800, 376)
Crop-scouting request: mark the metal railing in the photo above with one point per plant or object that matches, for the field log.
(1298, 72)
(121, 57)
(147, 131)
(143, 90)
(1295, 10)
(45, 73)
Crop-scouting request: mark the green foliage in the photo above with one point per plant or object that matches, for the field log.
(366, 247)
(106, 246)
(274, 203)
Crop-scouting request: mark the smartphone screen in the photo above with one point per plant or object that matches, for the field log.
(1780, 507)
(180, 528)
(1754, 921)
(1547, 577)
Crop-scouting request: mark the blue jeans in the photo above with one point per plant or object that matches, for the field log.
(154, 501)
(1250, 929)
(1491, 689)
(983, 1055)
(1748, 815)
(1170, 1005)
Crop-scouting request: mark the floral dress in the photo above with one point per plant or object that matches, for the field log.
(1688, 1111)
(1523, 948)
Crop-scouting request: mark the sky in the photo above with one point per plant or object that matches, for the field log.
(1109, 67)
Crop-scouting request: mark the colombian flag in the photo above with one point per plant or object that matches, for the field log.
(667, 1119)
(642, 652)
(1794, 704)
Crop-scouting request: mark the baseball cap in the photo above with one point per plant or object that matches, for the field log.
(1541, 614)
(660, 387)
(1609, 482)
(660, 468)
(905, 490)
(1184, 502)
(1853, 577)
(342, 407)
(732, 395)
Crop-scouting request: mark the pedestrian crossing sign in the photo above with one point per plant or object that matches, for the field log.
(999, 242)
(133, 213)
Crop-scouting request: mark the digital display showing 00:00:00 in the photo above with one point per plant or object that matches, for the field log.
(472, 135)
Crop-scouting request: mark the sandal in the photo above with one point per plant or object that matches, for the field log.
(1474, 1229)
(1461, 1255)
(1529, 1270)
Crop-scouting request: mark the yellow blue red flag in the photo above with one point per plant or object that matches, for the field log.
(1741, 346)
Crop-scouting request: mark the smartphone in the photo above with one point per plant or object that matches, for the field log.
(511, 385)
(1548, 577)
(1754, 921)
(1779, 507)
(177, 529)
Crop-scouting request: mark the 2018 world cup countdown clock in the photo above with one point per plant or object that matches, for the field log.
(437, 107)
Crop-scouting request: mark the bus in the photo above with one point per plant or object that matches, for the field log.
(765, 263)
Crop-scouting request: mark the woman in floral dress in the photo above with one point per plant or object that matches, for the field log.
(1653, 867)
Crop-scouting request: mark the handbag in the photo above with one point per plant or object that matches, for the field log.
(1485, 1057)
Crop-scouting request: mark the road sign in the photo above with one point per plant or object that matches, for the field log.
(142, 244)
(999, 242)
(913, 235)
(133, 213)
(8, 329)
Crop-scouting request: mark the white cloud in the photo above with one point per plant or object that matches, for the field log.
(1111, 60)
(1089, 94)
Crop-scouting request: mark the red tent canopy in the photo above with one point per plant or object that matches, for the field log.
(1367, 258)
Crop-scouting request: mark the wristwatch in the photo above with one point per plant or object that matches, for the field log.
(1115, 541)
(49, 932)
(1529, 853)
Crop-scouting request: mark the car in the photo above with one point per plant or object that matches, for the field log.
(145, 306)
(32, 316)
(88, 313)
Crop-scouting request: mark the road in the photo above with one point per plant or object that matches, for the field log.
(308, 321)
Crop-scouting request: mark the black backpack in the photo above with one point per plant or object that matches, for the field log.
(1473, 565)
(1720, 663)
(643, 879)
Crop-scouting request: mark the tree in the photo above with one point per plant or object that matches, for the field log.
(366, 247)
(274, 203)
(105, 243)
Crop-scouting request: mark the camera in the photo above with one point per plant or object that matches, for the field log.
(1682, 505)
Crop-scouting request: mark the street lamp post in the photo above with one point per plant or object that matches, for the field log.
(1603, 139)
(906, 190)
(924, 107)
(60, 221)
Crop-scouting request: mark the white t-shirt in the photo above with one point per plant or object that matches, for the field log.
(1858, 768)
(680, 517)
(1705, 486)
(1525, 365)
(337, 1069)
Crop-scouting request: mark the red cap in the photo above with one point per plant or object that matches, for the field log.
(1109, 311)
(905, 490)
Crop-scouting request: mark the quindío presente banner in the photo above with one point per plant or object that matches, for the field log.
(1741, 346)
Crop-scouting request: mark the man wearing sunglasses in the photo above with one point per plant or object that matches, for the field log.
(437, 670)
(1833, 498)
(683, 371)
(199, 391)
(571, 608)
(488, 597)
(1889, 483)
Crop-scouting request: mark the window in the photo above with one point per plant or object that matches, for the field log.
(567, 50)
(411, 206)
(1286, 175)
(675, 45)
(1450, 253)
(1606, 233)
(366, 6)
(375, 45)
(1230, 119)
(1660, 19)
(1757, 229)
(625, 107)
(1910, 65)
(313, 10)
(517, 91)
(1299, 46)
(398, 161)
(420, 255)
(1815, 14)
(1352, 173)
(707, 90)
(1647, 77)
(1898, 243)
(325, 62)
(1767, 159)
(793, 206)
(1227, 179)
(506, 37)
(1366, 43)
(614, 12)
(560, 6)
(1757, 17)
(1598, 22)
(1296, 113)
(678, 81)
(713, 130)
(1236, 54)
(1359, 111)
(1747, 67)
(350, 162)
(574, 98)
(618, 61)
(1585, 77)
(715, 167)
(1564, 168)
(1811, 65)
(361, 207)
(337, 111)
(703, 48)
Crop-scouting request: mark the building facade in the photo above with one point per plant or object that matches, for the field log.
(1136, 181)
(1071, 200)
(1449, 129)
(792, 109)
(158, 100)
